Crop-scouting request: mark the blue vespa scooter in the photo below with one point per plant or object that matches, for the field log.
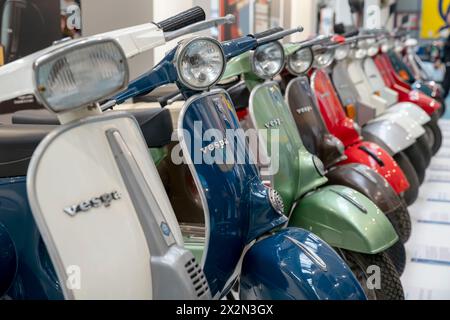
(242, 217)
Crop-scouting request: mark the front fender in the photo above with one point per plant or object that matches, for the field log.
(409, 124)
(345, 219)
(368, 182)
(410, 110)
(376, 158)
(428, 104)
(388, 134)
(296, 265)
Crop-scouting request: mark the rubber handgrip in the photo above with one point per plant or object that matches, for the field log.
(183, 19)
(351, 34)
(267, 33)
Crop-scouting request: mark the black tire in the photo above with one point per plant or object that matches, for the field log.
(397, 254)
(444, 107)
(415, 156)
(435, 134)
(412, 193)
(391, 287)
(401, 221)
(425, 148)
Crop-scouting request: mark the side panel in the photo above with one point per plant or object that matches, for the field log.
(297, 173)
(235, 201)
(345, 219)
(295, 264)
(407, 123)
(393, 136)
(411, 110)
(313, 131)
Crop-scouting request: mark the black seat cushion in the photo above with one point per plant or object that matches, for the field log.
(17, 144)
(155, 123)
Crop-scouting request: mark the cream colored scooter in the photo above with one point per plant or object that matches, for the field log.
(96, 199)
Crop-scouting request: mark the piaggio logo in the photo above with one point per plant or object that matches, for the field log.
(103, 200)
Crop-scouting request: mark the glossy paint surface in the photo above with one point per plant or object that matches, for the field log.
(297, 172)
(392, 80)
(278, 268)
(238, 207)
(356, 225)
(313, 131)
(388, 168)
(341, 126)
(331, 109)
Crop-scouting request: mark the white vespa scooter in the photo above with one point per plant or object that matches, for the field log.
(94, 192)
(375, 94)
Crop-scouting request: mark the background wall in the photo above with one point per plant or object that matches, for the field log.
(106, 15)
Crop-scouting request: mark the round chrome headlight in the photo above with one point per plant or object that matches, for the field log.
(301, 61)
(268, 60)
(373, 50)
(342, 52)
(323, 58)
(359, 53)
(200, 63)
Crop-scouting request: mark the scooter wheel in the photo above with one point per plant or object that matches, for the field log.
(401, 221)
(435, 136)
(389, 288)
(426, 149)
(412, 193)
(443, 108)
(397, 254)
(414, 154)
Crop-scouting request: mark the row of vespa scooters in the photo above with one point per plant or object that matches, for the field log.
(99, 200)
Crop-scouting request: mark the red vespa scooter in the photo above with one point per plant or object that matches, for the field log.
(405, 92)
(356, 149)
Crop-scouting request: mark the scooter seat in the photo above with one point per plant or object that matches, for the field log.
(155, 123)
(17, 144)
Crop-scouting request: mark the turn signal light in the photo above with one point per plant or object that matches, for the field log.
(2, 55)
(351, 111)
(404, 75)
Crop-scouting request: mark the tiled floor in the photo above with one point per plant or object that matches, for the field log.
(427, 274)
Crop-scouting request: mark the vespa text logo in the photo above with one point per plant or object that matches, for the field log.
(273, 123)
(215, 146)
(103, 200)
(304, 110)
(73, 281)
(228, 147)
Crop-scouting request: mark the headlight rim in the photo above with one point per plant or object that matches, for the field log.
(329, 63)
(283, 63)
(348, 50)
(182, 47)
(65, 48)
(289, 59)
